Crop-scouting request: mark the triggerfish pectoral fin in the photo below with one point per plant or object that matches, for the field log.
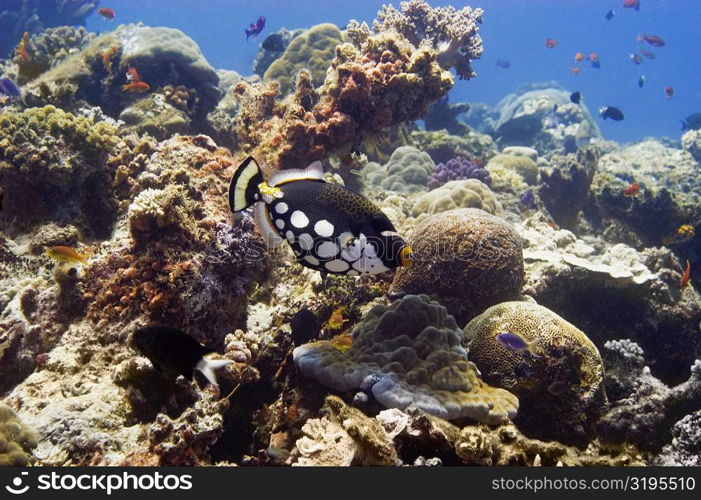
(265, 226)
(243, 190)
(208, 366)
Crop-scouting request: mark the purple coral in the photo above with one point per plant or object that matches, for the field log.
(458, 168)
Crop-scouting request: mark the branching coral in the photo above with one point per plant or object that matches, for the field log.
(452, 32)
(459, 168)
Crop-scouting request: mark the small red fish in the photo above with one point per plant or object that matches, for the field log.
(636, 58)
(632, 190)
(575, 70)
(669, 92)
(136, 87)
(550, 43)
(647, 54)
(578, 57)
(106, 13)
(653, 40)
(631, 4)
(686, 277)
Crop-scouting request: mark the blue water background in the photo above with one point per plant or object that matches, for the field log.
(513, 29)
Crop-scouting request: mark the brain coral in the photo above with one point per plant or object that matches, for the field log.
(406, 171)
(312, 50)
(466, 257)
(409, 353)
(560, 385)
(470, 193)
(15, 439)
(522, 165)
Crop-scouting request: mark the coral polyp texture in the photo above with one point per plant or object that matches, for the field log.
(409, 354)
(559, 378)
(458, 168)
(16, 441)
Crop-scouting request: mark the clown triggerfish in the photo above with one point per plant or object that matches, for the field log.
(329, 227)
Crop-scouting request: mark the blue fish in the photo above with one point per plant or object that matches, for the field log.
(255, 28)
(610, 14)
(8, 88)
(528, 199)
(516, 342)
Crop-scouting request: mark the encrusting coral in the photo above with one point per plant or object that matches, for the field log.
(409, 354)
(559, 380)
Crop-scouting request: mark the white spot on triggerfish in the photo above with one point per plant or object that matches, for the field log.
(312, 260)
(290, 236)
(306, 241)
(327, 250)
(281, 207)
(298, 219)
(337, 266)
(280, 224)
(323, 228)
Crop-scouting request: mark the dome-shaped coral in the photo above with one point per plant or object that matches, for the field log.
(559, 379)
(467, 258)
(470, 193)
(407, 171)
(15, 439)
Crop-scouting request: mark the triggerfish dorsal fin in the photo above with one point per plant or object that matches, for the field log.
(243, 190)
(313, 172)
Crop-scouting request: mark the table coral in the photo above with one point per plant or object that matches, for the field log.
(406, 171)
(562, 354)
(409, 354)
(467, 258)
(470, 193)
(51, 169)
(313, 50)
(16, 440)
(458, 168)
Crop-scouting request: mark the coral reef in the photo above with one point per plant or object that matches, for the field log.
(521, 165)
(407, 171)
(467, 258)
(443, 146)
(313, 50)
(469, 193)
(691, 142)
(409, 354)
(565, 184)
(458, 169)
(49, 48)
(645, 409)
(16, 441)
(272, 47)
(51, 169)
(452, 32)
(17, 16)
(559, 380)
(686, 443)
(154, 116)
(444, 116)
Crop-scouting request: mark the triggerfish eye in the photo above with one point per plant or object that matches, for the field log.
(405, 256)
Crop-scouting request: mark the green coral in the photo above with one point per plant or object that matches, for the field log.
(407, 171)
(470, 193)
(16, 440)
(52, 167)
(312, 50)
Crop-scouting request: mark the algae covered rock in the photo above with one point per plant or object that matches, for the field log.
(467, 258)
(559, 379)
(312, 50)
(16, 441)
(409, 354)
(470, 193)
(407, 171)
(691, 142)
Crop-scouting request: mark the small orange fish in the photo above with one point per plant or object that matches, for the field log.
(136, 87)
(108, 56)
(550, 43)
(133, 75)
(594, 57)
(106, 13)
(342, 342)
(22, 47)
(632, 190)
(686, 277)
(575, 70)
(578, 57)
(66, 254)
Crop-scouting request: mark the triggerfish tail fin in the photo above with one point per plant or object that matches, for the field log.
(313, 172)
(244, 185)
(209, 366)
